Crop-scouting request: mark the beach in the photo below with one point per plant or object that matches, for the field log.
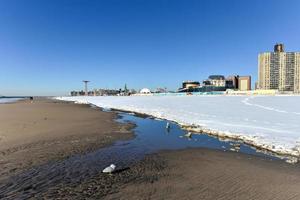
(49, 131)
(34, 133)
(191, 174)
(208, 174)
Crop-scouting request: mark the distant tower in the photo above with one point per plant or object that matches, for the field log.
(86, 88)
(279, 48)
(125, 88)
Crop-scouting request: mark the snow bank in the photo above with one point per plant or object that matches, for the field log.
(269, 122)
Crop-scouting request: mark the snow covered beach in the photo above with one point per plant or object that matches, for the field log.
(269, 122)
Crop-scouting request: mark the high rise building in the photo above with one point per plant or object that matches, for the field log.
(279, 70)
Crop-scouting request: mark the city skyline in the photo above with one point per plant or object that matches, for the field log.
(48, 48)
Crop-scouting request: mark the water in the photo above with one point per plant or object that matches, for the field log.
(10, 99)
(151, 136)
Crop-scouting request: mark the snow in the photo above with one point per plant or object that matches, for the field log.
(269, 122)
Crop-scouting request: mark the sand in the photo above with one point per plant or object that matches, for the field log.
(48, 131)
(211, 175)
(35, 133)
(191, 174)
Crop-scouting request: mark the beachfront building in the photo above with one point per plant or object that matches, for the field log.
(236, 82)
(96, 92)
(216, 80)
(214, 83)
(244, 83)
(189, 86)
(279, 70)
(77, 93)
(106, 92)
(231, 82)
(218, 83)
(160, 90)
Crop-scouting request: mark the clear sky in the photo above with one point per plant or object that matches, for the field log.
(49, 47)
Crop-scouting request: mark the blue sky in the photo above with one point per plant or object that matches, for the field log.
(49, 47)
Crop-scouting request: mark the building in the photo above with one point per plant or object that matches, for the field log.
(106, 92)
(232, 82)
(77, 93)
(145, 91)
(214, 83)
(244, 83)
(96, 92)
(216, 80)
(252, 92)
(161, 90)
(218, 83)
(190, 84)
(236, 82)
(279, 70)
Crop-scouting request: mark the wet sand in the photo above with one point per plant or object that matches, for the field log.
(35, 133)
(211, 174)
(191, 174)
(47, 131)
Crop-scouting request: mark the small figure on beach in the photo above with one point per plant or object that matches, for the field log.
(31, 99)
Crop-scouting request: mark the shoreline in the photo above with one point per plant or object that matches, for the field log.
(194, 173)
(291, 156)
(47, 130)
(199, 131)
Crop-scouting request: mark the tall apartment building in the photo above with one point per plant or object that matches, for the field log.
(279, 70)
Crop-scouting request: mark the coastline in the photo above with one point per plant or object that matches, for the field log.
(5, 100)
(291, 158)
(193, 173)
(47, 130)
(292, 155)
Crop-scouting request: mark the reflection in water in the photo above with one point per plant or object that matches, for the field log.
(151, 136)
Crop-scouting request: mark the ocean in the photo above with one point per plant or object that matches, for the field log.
(10, 99)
